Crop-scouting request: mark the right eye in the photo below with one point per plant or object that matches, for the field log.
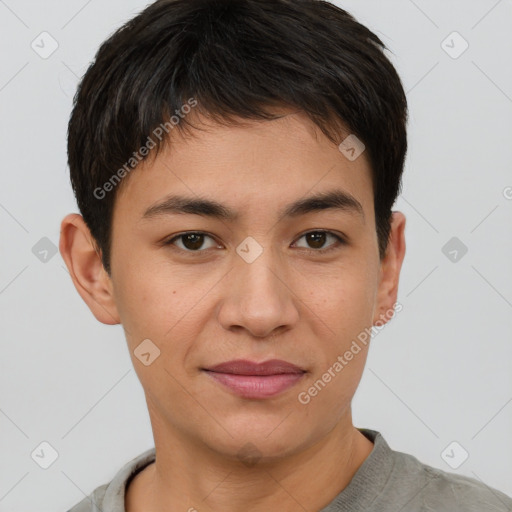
(191, 241)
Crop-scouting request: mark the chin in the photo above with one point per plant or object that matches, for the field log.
(266, 441)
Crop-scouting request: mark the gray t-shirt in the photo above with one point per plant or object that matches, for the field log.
(387, 481)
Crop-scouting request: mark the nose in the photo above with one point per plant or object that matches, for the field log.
(258, 297)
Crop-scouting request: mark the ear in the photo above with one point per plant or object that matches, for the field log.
(80, 253)
(390, 268)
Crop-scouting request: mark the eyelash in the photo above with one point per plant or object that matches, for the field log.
(340, 241)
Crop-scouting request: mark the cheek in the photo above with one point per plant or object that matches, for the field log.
(343, 301)
(139, 305)
(156, 304)
(331, 389)
(156, 308)
(147, 304)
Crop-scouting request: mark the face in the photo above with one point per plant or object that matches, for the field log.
(262, 274)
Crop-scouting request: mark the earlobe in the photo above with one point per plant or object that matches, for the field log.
(390, 270)
(83, 261)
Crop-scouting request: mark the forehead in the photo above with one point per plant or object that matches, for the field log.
(247, 165)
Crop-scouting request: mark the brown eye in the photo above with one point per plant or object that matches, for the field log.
(316, 241)
(191, 242)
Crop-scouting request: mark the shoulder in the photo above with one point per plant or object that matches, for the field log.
(432, 489)
(465, 493)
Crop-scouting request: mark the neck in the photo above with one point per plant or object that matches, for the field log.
(188, 476)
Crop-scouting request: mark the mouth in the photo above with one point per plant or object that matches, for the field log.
(256, 380)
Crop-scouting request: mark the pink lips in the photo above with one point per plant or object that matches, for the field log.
(256, 380)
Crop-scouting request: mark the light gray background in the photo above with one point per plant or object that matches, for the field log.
(441, 371)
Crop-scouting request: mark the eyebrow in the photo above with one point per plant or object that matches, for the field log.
(332, 200)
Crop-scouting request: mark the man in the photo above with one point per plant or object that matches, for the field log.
(235, 163)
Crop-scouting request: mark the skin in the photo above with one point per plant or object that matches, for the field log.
(209, 306)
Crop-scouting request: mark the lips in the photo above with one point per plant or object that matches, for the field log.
(252, 380)
(245, 367)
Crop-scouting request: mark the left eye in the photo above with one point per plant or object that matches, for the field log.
(317, 239)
